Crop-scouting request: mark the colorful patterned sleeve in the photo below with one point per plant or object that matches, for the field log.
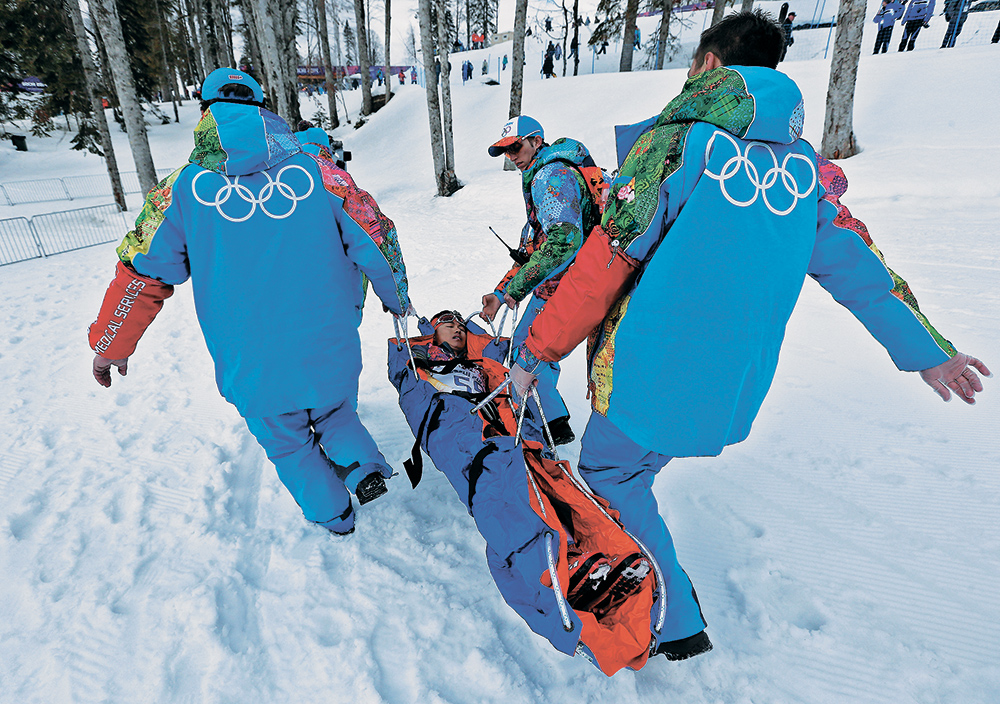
(835, 182)
(556, 192)
(370, 237)
(167, 260)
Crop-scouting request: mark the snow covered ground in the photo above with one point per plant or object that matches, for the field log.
(846, 552)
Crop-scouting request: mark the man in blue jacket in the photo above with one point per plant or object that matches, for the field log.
(918, 15)
(275, 242)
(718, 213)
(886, 18)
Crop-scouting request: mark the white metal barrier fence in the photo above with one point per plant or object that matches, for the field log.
(68, 188)
(53, 233)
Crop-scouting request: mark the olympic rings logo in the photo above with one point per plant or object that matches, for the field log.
(761, 186)
(245, 194)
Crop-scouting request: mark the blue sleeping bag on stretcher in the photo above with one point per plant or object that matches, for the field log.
(544, 530)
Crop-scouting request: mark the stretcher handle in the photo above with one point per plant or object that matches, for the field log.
(522, 410)
(493, 394)
(399, 321)
(556, 587)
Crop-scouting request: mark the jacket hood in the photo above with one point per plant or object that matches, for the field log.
(235, 140)
(750, 102)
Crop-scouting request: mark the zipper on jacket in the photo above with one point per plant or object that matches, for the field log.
(614, 252)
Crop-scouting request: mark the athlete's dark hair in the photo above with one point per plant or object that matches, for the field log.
(743, 39)
(231, 93)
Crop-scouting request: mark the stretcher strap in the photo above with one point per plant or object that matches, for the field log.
(415, 465)
(476, 469)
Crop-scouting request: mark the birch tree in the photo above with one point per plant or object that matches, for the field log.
(719, 11)
(444, 41)
(364, 57)
(664, 34)
(517, 68)
(92, 82)
(838, 128)
(275, 22)
(105, 15)
(446, 181)
(628, 41)
(330, 81)
(576, 36)
(388, 63)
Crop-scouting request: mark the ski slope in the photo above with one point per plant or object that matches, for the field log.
(846, 552)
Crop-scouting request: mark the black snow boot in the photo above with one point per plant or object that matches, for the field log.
(370, 488)
(562, 434)
(340, 521)
(685, 647)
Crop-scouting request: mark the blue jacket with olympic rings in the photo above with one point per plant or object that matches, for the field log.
(721, 210)
(275, 242)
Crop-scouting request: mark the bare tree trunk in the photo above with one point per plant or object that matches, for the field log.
(664, 33)
(364, 58)
(96, 106)
(388, 63)
(108, 23)
(719, 12)
(838, 129)
(253, 41)
(444, 41)
(446, 182)
(576, 36)
(565, 36)
(628, 41)
(275, 26)
(196, 43)
(747, 6)
(167, 73)
(517, 68)
(329, 81)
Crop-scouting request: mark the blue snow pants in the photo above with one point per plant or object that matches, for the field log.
(547, 372)
(620, 471)
(320, 455)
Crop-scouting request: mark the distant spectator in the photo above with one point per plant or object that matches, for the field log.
(885, 18)
(548, 69)
(956, 12)
(638, 36)
(504, 62)
(548, 24)
(604, 47)
(918, 15)
(572, 48)
(557, 54)
(786, 27)
(486, 66)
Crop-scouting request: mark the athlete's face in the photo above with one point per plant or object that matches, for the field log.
(452, 332)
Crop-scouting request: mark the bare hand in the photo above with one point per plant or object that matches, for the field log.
(491, 304)
(509, 300)
(522, 381)
(102, 369)
(958, 375)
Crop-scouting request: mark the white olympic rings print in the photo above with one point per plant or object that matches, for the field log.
(247, 195)
(761, 186)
